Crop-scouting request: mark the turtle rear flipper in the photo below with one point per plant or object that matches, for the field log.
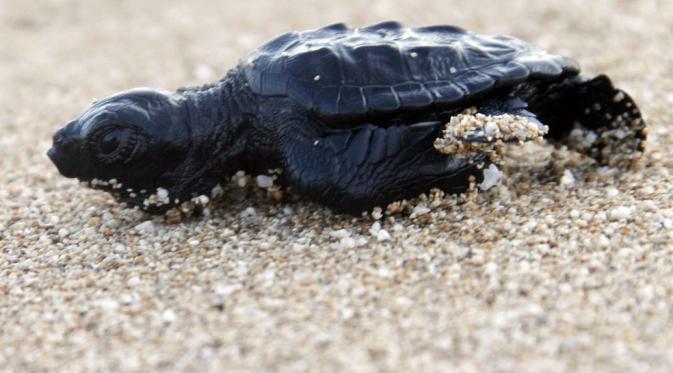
(594, 118)
(469, 134)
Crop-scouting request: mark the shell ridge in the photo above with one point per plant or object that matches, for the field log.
(325, 69)
(363, 98)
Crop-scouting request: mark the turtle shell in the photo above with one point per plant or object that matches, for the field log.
(340, 72)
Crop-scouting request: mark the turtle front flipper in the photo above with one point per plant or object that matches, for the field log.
(592, 117)
(355, 170)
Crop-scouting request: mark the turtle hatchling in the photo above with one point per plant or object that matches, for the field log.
(354, 117)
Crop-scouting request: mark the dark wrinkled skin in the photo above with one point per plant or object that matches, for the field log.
(188, 141)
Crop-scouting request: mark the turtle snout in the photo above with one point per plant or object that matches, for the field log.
(61, 139)
(64, 154)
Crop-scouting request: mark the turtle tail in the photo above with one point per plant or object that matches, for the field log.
(592, 117)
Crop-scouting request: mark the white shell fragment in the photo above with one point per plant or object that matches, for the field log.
(492, 176)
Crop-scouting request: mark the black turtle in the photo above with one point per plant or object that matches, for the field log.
(348, 114)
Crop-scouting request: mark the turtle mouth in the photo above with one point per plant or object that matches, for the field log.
(55, 158)
(67, 162)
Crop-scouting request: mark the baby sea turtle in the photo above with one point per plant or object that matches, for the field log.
(351, 116)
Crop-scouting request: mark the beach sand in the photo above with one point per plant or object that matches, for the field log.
(563, 266)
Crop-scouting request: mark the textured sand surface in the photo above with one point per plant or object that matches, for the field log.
(562, 267)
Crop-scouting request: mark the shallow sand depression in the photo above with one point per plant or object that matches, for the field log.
(561, 266)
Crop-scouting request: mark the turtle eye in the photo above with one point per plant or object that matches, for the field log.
(114, 144)
(110, 142)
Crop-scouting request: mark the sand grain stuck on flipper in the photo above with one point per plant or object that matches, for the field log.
(470, 133)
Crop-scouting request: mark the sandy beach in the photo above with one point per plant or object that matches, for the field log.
(564, 266)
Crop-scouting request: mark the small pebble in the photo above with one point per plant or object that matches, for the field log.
(419, 210)
(612, 192)
(621, 212)
(264, 181)
(145, 227)
(383, 235)
(568, 179)
(347, 243)
(168, 316)
(227, 289)
(193, 242)
(340, 233)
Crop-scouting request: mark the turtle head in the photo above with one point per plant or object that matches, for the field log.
(135, 145)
